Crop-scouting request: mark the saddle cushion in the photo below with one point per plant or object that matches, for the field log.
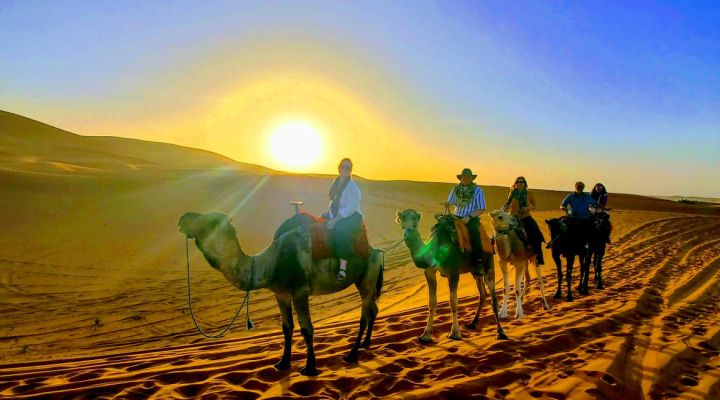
(322, 244)
(464, 242)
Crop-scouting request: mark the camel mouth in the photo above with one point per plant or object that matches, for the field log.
(182, 230)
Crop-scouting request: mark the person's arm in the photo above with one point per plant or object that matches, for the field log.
(349, 204)
(566, 200)
(451, 197)
(478, 203)
(352, 202)
(531, 201)
(508, 201)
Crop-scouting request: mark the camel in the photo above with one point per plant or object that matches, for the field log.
(286, 268)
(511, 249)
(442, 254)
(568, 244)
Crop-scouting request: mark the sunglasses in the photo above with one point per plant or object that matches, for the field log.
(346, 167)
(520, 182)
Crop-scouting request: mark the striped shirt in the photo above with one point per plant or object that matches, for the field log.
(477, 203)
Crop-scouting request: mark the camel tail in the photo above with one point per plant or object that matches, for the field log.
(379, 282)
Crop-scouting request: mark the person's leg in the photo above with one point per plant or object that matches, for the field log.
(535, 238)
(342, 240)
(475, 240)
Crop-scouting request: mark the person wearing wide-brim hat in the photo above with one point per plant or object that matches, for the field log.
(469, 201)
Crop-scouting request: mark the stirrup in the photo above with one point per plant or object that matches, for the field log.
(341, 276)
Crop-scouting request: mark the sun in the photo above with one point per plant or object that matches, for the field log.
(295, 145)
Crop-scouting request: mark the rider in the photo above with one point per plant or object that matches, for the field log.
(519, 203)
(469, 201)
(343, 215)
(577, 205)
(600, 195)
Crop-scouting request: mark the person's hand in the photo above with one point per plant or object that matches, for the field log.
(330, 224)
(465, 220)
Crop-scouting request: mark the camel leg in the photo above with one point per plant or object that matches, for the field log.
(597, 264)
(364, 317)
(285, 304)
(431, 278)
(506, 288)
(570, 262)
(584, 273)
(373, 312)
(481, 288)
(368, 292)
(558, 265)
(519, 275)
(526, 281)
(302, 309)
(453, 281)
(489, 278)
(541, 285)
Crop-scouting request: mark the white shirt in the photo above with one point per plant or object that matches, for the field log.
(349, 201)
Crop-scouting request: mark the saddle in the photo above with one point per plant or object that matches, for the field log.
(322, 245)
(463, 236)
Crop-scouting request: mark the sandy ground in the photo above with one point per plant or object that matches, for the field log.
(94, 304)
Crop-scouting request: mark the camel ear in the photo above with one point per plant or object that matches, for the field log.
(397, 216)
(419, 215)
(438, 216)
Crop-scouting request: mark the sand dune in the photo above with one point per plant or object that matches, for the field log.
(93, 297)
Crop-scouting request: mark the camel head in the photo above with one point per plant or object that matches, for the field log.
(503, 220)
(408, 219)
(557, 226)
(202, 226)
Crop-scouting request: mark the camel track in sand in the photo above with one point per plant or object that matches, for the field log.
(654, 332)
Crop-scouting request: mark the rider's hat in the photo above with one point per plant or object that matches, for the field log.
(466, 172)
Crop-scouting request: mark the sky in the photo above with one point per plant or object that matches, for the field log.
(624, 93)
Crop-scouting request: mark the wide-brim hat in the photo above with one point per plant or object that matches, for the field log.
(466, 172)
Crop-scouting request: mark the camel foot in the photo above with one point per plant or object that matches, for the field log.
(599, 286)
(471, 325)
(546, 306)
(558, 295)
(309, 371)
(584, 292)
(282, 365)
(365, 345)
(569, 297)
(425, 339)
(502, 336)
(454, 336)
(351, 357)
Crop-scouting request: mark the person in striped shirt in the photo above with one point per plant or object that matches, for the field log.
(469, 201)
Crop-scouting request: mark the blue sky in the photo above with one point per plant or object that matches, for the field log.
(624, 92)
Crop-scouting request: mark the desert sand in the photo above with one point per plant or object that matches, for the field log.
(94, 304)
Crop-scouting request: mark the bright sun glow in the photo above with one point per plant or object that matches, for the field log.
(295, 145)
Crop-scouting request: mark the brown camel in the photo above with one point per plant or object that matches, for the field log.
(511, 249)
(286, 268)
(441, 254)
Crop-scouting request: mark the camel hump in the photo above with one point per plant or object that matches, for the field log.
(295, 221)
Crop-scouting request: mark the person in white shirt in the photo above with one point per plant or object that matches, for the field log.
(343, 216)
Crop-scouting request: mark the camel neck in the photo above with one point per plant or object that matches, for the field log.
(416, 245)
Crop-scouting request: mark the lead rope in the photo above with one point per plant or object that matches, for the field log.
(192, 313)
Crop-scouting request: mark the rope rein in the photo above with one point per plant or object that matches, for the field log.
(192, 313)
